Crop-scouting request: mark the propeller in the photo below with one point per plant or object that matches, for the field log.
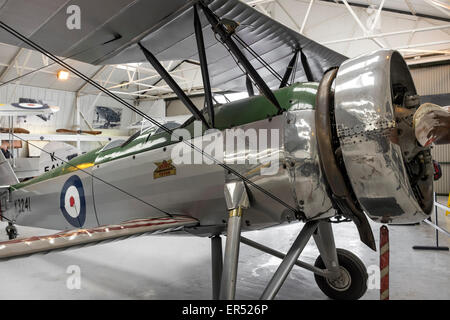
(78, 131)
(15, 130)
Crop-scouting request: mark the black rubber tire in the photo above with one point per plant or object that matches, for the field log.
(11, 231)
(358, 274)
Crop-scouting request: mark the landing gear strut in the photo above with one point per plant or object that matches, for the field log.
(11, 231)
(347, 275)
(352, 281)
(339, 273)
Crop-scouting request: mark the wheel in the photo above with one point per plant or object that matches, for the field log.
(11, 231)
(351, 285)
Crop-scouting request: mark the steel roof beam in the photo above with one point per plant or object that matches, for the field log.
(388, 34)
(361, 5)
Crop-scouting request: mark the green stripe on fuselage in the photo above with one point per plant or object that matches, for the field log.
(88, 157)
(236, 113)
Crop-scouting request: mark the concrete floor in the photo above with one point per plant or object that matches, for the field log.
(164, 267)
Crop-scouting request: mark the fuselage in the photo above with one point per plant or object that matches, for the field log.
(138, 178)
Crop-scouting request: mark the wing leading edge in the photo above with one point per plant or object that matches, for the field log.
(80, 237)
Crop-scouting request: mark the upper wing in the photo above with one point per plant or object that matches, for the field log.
(166, 29)
(81, 237)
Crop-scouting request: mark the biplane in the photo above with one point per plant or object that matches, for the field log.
(26, 107)
(345, 146)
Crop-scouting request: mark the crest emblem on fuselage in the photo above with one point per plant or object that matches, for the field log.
(73, 202)
(164, 169)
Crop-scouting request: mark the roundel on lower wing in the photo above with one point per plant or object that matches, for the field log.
(73, 202)
(30, 106)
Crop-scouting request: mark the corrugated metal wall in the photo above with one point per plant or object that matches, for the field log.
(66, 117)
(436, 80)
(62, 119)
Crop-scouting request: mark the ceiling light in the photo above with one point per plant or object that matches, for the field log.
(62, 75)
(440, 4)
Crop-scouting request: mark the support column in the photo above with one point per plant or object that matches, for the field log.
(78, 120)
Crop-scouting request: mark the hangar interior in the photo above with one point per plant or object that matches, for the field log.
(163, 267)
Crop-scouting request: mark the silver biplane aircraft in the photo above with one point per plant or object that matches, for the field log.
(345, 150)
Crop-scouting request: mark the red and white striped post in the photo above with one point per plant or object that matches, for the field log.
(384, 263)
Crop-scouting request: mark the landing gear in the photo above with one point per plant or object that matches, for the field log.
(11, 231)
(237, 201)
(339, 273)
(351, 284)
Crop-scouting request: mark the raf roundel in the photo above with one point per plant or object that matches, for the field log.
(73, 202)
(30, 106)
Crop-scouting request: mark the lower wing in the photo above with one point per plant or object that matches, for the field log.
(80, 237)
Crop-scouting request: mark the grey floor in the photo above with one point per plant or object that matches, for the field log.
(163, 267)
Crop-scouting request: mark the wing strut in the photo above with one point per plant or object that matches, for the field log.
(249, 84)
(225, 37)
(203, 65)
(306, 67)
(289, 69)
(173, 85)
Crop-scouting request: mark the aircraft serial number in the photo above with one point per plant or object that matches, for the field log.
(23, 204)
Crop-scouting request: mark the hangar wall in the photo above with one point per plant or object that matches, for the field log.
(65, 100)
(430, 80)
(175, 107)
(66, 117)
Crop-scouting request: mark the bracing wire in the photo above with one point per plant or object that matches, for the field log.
(94, 176)
(139, 112)
(258, 57)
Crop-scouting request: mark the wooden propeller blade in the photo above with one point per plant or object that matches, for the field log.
(78, 131)
(15, 130)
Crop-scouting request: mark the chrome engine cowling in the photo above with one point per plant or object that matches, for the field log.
(390, 173)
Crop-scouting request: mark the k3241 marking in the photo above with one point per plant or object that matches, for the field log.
(23, 204)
